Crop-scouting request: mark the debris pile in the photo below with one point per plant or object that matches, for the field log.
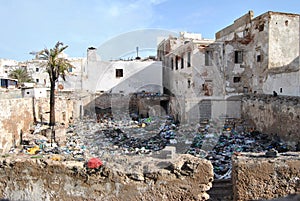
(216, 141)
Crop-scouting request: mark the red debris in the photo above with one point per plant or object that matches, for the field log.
(94, 163)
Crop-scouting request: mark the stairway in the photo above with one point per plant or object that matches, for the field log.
(221, 190)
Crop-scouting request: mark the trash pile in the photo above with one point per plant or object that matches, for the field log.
(216, 141)
(127, 137)
(40, 143)
(233, 138)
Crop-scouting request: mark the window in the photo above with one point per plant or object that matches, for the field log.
(238, 57)
(189, 83)
(37, 69)
(172, 63)
(258, 58)
(37, 80)
(182, 62)
(208, 58)
(286, 22)
(189, 59)
(261, 27)
(176, 62)
(70, 70)
(246, 32)
(119, 73)
(236, 79)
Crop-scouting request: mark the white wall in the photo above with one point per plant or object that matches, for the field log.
(137, 76)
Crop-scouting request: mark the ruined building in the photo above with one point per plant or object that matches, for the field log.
(252, 55)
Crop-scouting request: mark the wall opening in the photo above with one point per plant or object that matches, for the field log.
(261, 27)
(238, 57)
(208, 58)
(236, 79)
(119, 73)
(258, 58)
(189, 83)
(176, 62)
(189, 59)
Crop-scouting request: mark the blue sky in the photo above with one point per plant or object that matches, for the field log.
(31, 25)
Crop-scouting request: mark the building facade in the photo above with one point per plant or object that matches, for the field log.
(121, 76)
(252, 55)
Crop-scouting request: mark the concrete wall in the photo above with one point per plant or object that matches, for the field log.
(257, 177)
(274, 115)
(136, 178)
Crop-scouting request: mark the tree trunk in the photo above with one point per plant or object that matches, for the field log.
(52, 104)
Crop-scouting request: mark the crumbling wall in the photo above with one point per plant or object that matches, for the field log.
(257, 177)
(18, 115)
(63, 110)
(183, 178)
(274, 115)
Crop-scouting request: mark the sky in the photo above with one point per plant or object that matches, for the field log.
(32, 25)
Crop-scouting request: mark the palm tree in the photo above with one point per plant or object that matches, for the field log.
(21, 75)
(56, 66)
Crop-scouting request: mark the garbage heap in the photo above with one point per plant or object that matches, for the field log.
(216, 141)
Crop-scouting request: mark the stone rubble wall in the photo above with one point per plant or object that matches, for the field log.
(257, 177)
(136, 178)
(274, 115)
(17, 117)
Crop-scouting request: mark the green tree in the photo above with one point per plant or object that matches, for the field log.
(56, 67)
(21, 75)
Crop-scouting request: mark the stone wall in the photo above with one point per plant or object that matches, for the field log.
(256, 176)
(136, 178)
(274, 115)
(18, 117)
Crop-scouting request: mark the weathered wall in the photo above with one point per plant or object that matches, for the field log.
(274, 115)
(257, 177)
(17, 116)
(284, 40)
(183, 178)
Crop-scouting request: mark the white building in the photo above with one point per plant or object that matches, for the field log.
(121, 76)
